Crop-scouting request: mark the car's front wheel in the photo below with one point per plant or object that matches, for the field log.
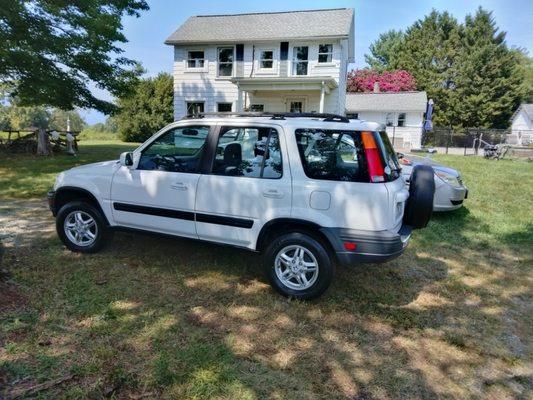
(81, 227)
(298, 266)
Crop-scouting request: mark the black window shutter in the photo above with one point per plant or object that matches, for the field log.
(239, 50)
(284, 51)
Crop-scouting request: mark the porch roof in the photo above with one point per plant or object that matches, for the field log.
(286, 83)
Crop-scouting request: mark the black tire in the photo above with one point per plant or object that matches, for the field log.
(419, 206)
(326, 268)
(102, 232)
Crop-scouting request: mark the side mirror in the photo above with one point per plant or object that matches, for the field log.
(126, 159)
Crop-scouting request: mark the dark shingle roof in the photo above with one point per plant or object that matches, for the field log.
(386, 101)
(264, 26)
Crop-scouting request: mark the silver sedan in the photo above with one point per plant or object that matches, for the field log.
(450, 191)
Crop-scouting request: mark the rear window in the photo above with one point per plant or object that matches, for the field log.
(340, 156)
(391, 166)
(332, 155)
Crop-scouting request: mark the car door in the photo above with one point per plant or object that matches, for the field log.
(158, 193)
(247, 184)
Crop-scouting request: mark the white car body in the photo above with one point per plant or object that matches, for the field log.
(450, 191)
(336, 180)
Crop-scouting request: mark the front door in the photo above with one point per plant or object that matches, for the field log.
(159, 193)
(248, 185)
(296, 105)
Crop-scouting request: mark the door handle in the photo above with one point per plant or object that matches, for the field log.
(273, 193)
(179, 186)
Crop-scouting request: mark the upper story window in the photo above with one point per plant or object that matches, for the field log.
(195, 59)
(300, 60)
(225, 61)
(266, 59)
(325, 53)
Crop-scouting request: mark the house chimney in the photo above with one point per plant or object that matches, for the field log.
(376, 87)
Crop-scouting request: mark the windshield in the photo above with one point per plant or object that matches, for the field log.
(392, 166)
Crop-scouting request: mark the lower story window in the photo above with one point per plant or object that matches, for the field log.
(195, 107)
(224, 107)
(257, 107)
(353, 115)
(296, 107)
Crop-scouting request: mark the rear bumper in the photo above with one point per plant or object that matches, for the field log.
(51, 196)
(371, 247)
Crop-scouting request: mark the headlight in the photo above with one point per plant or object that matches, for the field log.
(450, 179)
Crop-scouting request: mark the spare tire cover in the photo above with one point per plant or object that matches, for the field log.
(419, 205)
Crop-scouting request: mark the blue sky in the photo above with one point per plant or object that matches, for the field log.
(147, 33)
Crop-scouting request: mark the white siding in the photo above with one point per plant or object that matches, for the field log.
(207, 87)
(521, 122)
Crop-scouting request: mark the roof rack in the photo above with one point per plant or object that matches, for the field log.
(327, 117)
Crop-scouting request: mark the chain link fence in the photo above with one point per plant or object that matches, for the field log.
(472, 141)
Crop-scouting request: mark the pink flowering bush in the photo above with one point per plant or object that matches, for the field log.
(362, 80)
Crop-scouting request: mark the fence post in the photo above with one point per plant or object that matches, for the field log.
(393, 135)
(448, 139)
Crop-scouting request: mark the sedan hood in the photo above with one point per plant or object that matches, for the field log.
(417, 160)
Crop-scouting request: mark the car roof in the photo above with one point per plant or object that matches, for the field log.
(293, 122)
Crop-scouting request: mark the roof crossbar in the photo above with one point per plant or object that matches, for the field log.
(327, 117)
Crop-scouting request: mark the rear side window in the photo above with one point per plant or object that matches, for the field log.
(332, 155)
(392, 165)
(252, 152)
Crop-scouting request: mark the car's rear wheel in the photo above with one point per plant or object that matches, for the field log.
(298, 266)
(81, 227)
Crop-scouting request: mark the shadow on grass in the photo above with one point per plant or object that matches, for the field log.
(175, 318)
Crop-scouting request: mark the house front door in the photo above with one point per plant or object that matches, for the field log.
(296, 105)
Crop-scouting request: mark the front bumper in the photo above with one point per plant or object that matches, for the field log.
(51, 196)
(371, 247)
(448, 198)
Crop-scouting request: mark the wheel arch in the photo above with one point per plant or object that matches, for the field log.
(66, 194)
(290, 224)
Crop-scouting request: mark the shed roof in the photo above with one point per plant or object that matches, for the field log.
(528, 110)
(336, 22)
(386, 101)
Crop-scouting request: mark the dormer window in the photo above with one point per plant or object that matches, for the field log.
(325, 53)
(225, 61)
(195, 59)
(300, 59)
(266, 59)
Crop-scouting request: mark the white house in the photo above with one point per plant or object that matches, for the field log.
(278, 61)
(402, 113)
(522, 125)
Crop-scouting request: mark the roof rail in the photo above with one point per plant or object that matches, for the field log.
(327, 117)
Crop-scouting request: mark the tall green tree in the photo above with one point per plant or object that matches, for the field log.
(148, 108)
(474, 78)
(489, 76)
(384, 52)
(53, 50)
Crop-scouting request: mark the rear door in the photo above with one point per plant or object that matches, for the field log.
(159, 192)
(247, 184)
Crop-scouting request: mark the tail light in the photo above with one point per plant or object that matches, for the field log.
(373, 159)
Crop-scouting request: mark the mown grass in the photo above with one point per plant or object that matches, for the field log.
(172, 318)
(32, 176)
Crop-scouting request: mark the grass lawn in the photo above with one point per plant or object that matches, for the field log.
(153, 317)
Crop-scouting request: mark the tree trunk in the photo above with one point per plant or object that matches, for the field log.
(44, 148)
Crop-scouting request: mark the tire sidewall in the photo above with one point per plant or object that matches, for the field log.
(326, 268)
(101, 223)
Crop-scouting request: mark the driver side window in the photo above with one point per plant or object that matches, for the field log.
(178, 150)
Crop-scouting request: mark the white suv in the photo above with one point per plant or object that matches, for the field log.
(307, 191)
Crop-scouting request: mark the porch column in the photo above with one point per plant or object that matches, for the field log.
(240, 103)
(322, 94)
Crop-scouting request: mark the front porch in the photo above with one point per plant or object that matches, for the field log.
(289, 94)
